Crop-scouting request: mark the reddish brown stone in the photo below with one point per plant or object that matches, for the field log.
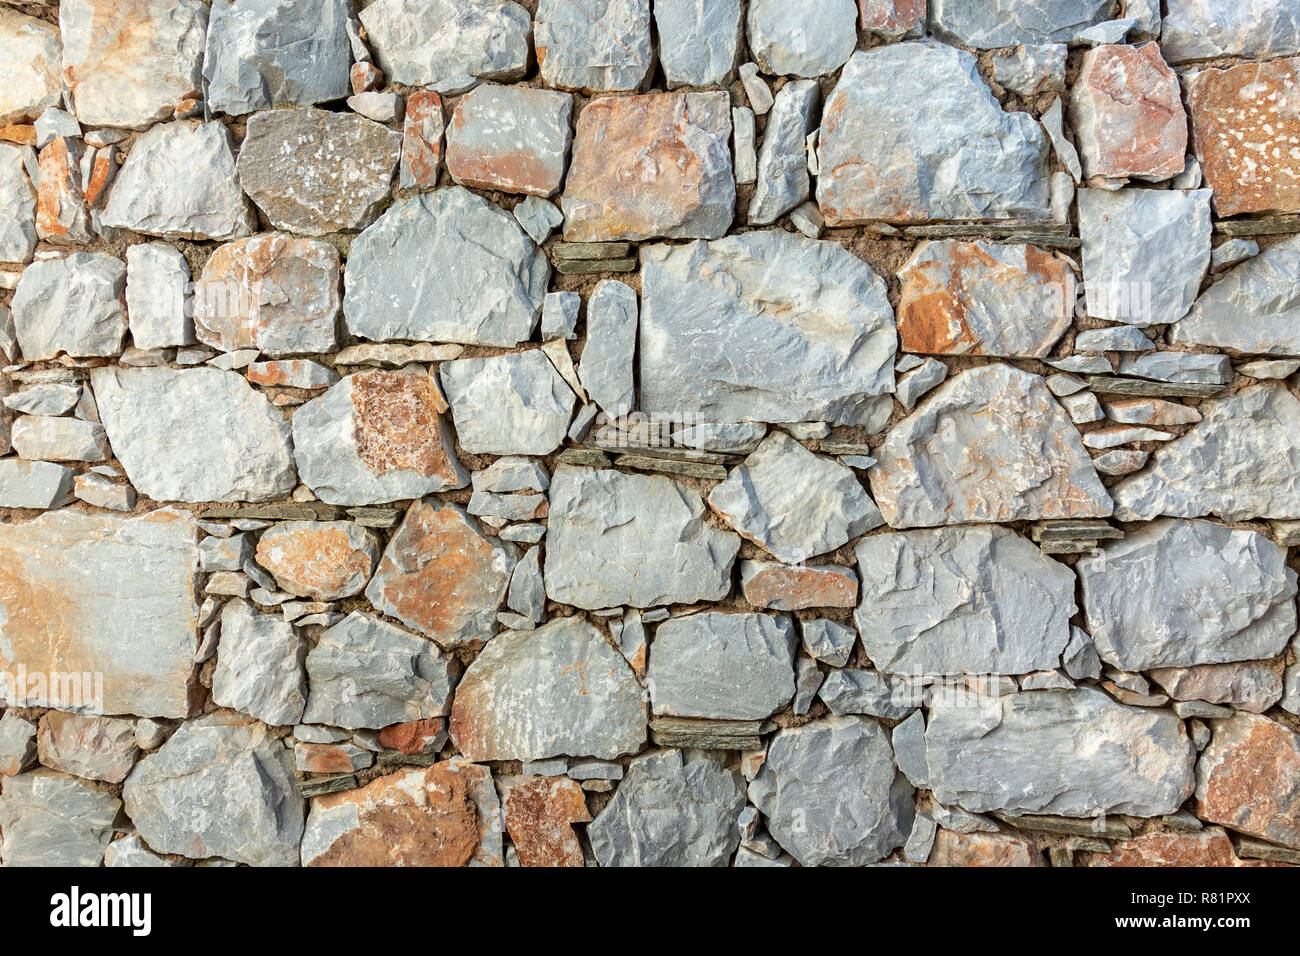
(24, 134)
(410, 818)
(1248, 778)
(397, 424)
(1127, 112)
(61, 213)
(788, 588)
(1209, 847)
(892, 17)
(323, 758)
(1254, 686)
(515, 139)
(1246, 124)
(365, 76)
(415, 736)
(983, 849)
(422, 139)
(539, 814)
(291, 373)
(321, 560)
(103, 169)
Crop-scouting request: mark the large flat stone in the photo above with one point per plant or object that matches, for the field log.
(511, 138)
(30, 60)
(319, 560)
(1247, 778)
(195, 434)
(49, 819)
(515, 404)
(638, 540)
(492, 297)
(988, 24)
(1204, 29)
(84, 595)
(595, 45)
(73, 305)
(429, 42)
(990, 444)
(764, 326)
(801, 37)
(698, 41)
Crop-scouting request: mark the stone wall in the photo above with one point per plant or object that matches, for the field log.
(613, 433)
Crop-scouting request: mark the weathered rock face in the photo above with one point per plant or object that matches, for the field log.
(265, 54)
(343, 169)
(782, 171)
(259, 666)
(1225, 595)
(513, 404)
(966, 600)
(18, 227)
(220, 786)
(1127, 111)
(1210, 847)
(160, 422)
(649, 166)
(119, 603)
(989, 445)
(1254, 309)
(674, 808)
(30, 55)
(48, 819)
(273, 292)
(801, 37)
(785, 588)
(986, 25)
(72, 305)
(94, 748)
(1073, 753)
(513, 139)
(441, 576)
(978, 298)
(422, 131)
(697, 41)
(1241, 461)
(429, 42)
(722, 666)
(1247, 778)
(1253, 686)
(1201, 29)
(377, 437)
(600, 45)
(616, 539)
(727, 327)
(492, 297)
(557, 690)
(983, 849)
(158, 296)
(179, 181)
(321, 560)
(132, 62)
(831, 793)
(539, 813)
(897, 117)
(1244, 121)
(414, 817)
(365, 672)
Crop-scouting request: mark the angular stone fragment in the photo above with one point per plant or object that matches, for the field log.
(30, 52)
(259, 666)
(220, 786)
(1253, 686)
(377, 437)
(1032, 69)
(989, 445)
(891, 129)
(292, 373)
(265, 53)
(1242, 461)
(1245, 125)
(430, 42)
(514, 404)
(652, 165)
(492, 297)
(160, 422)
(983, 849)
(34, 484)
(1210, 847)
(421, 140)
(48, 819)
(674, 808)
(62, 216)
(365, 672)
(17, 744)
(828, 641)
(441, 576)
(59, 439)
(1073, 753)
(606, 369)
(1254, 309)
(859, 691)
(132, 62)
(120, 602)
(158, 301)
(324, 560)
(782, 172)
(784, 588)
(511, 138)
(1225, 595)
(722, 666)
(179, 181)
(831, 793)
(557, 690)
(962, 600)
(697, 41)
(988, 24)
(539, 816)
(793, 503)
(95, 748)
(341, 174)
(621, 539)
(1247, 778)
(801, 37)
(1258, 29)
(72, 305)
(893, 18)
(271, 292)
(600, 45)
(1185, 367)
(18, 199)
(981, 298)
(1145, 252)
(764, 326)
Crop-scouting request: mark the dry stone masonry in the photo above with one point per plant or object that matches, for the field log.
(649, 432)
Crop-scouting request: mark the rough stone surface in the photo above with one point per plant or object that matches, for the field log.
(983, 849)
(72, 305)
(1253, 686)
(30, 58)
(782, 171)
(259, 666)
(49, 819)
(18, 198)
(801, 37)
(1257, 29)
(421, 140)
(513, 139)
(158, 303)
(606, 369)
(784, 588)
(988, 24)
(698, 41)
(513, 404)
(1245, 751)
(596, 45)
(1254, 309)
(321, 560)
(431, 42)
(539, 815)
(94, 748)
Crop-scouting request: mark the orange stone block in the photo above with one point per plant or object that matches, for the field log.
(983, 849)
(540, 813)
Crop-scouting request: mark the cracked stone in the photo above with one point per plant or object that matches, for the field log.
(514, 404)
(595, 46)
(513, 139)
(829, 641)
(259, 666)
(95, 748)
(1253, 310)
(73, 305)
(48, 819)
(431, 42)
(782, 171)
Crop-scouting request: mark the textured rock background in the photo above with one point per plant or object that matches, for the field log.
(649, 432)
